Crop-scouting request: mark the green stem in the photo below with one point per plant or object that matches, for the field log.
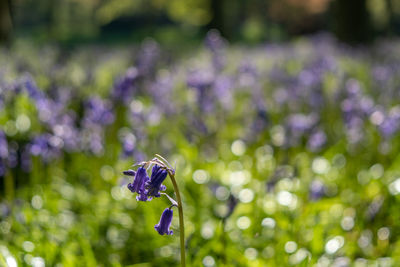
(9, 185)
(181, 223)
(223, 241)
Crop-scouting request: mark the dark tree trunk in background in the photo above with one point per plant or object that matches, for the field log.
(351, 21)
(217, 21)
(5, 21)
(390, 28)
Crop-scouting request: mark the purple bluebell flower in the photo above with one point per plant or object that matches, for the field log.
(161, 91)
(165, 222)
(391, 123)
(389, 127)
(3, 145)
(5, 210)
(374, 208)
(38, 146)
(355, 108)
(138, 185)
(223, 87)
(143, 196)
(32, 89)
(148, 57)
(261, 120)
(214, 41)
(317, 140)
(98, 111)
(248, 74)
(125, 86)
(3, 153)
(154, 186)
(43, 146)
(128, 145)
(66, 132)
(259, 124)
(300, 123)
(317, 190)
(366, 105)
(200, 79)
(381, 73)
(216, 44)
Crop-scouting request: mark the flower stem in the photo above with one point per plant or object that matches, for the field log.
(181, 223)
(9, 185)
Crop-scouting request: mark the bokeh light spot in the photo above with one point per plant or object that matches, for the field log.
(201, 176)
(243, 222)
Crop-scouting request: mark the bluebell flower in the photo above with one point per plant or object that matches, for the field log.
(214, 41)
(299, 123)
(317, 140)
(216, 44)
(124, 87)
(317, 190)
(390, 124)
(165, 222)
(143, 196)
(200, 79)
(128, 145)
(138, 185)
(374, 208)
(98, 111)
(32, 90)
(42, 146)
(5, 210)
(148, 58)
(3, 145)
(154, 186)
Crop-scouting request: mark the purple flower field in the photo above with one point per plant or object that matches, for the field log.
(285, 154)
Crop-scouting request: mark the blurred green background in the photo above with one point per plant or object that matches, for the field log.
(250, 21)
(285, 140)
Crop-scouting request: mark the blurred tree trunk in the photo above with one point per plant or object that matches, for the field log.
(217, 21)
(351, 21)
(5, 21)
(391, 23)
